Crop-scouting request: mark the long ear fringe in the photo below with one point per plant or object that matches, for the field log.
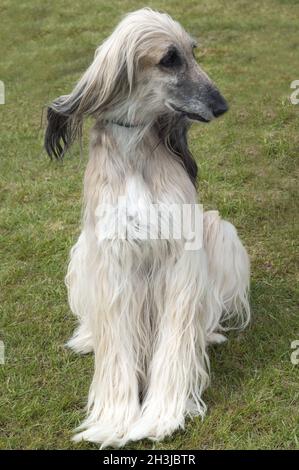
(99, 88)
(173, 133)
(63, 127)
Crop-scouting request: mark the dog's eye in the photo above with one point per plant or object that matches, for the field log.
(171, 59)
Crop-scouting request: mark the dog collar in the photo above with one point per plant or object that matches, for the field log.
(124, 124)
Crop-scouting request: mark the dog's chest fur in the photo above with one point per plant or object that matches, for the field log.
(132, 186)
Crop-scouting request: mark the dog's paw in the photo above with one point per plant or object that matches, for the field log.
(102, 434)
(216, 338)
(106, 429)
(81, 341)
(154, 428)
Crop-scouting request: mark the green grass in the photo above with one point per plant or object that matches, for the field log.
(248, 165)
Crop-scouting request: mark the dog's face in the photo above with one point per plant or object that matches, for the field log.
(177, 84)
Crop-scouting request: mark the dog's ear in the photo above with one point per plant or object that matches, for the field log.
(104, 84)
(173, 133)
(62, 127)
(178, 143)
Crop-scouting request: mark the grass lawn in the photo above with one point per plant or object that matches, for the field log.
(248, 165)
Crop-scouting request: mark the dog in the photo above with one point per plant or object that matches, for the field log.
(146, 307)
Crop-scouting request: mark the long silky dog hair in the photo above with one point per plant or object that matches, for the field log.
(147, 308)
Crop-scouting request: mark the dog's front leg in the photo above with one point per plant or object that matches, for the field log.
(113, 402)
(177, 374)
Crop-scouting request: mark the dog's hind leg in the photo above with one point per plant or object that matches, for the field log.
(228, 266)
(81, 342)
(77, 282)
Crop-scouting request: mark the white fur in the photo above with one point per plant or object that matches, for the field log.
(148, 309)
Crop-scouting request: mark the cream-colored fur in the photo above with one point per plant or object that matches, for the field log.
(148, 309)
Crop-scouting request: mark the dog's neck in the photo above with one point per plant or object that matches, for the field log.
(137, 142)
(129, 136)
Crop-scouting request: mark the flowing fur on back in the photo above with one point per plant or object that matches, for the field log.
(147, 308)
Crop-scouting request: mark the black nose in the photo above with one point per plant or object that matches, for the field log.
(220, 108)
(218, 104)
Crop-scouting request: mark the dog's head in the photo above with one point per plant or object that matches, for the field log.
(167, 77)
(144, 73)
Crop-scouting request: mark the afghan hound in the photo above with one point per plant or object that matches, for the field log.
(147, 307)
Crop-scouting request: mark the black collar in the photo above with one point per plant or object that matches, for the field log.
(124, 124)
